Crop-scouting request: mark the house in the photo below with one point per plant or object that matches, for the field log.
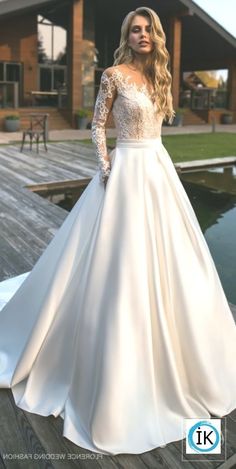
(52, 53)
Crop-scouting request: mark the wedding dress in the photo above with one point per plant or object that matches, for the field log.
(122, 327)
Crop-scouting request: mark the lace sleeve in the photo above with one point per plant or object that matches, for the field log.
(102, 109)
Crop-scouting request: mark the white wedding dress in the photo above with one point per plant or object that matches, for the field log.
(122, 327)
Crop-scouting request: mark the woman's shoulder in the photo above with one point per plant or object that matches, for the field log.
(111, 71)
(115, 75)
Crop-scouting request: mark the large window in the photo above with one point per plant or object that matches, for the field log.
(10, 71)
(52, 55)
(10, 84)
(1, 71)
(52, 42)
(52, 78)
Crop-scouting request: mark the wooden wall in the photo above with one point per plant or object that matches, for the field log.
(18, 42)
(75, 38)
(174, 44)
(232, 87)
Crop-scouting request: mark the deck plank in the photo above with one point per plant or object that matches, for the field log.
(17, 437)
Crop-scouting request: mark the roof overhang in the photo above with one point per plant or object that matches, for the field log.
(206, 44)
(13, 7)
(195, 9)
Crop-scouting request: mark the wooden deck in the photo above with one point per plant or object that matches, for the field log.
(27, 224)
(28, 221)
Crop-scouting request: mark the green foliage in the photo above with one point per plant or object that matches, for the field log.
(12, 117)
(83, 113)
(181, 110)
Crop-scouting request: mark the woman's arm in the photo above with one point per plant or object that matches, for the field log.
(103, 106)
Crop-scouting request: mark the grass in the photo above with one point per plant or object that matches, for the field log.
(191, 146)
(200, 146)
(195, 146)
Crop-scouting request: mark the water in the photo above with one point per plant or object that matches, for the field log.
(212, 193)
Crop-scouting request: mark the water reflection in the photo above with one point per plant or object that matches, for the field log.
(212, 193)
(221, 178)
(64, 195)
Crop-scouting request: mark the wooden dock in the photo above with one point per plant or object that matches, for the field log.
(28, 221)
(27, 224)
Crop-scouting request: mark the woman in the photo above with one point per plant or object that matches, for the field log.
(122, 327)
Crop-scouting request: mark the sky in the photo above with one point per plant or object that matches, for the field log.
(223, 11)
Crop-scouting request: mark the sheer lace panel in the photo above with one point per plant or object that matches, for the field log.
(135, 114)
(102, 109)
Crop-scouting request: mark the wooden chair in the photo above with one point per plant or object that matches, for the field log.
(38, 130)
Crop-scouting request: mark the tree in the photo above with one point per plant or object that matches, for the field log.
(42, 55)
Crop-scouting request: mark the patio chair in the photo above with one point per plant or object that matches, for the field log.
(38, 130)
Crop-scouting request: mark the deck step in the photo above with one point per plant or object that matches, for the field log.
(58, 119)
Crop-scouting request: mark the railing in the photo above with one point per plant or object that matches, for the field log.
(204, 98)
(9, 94)
(57, 98)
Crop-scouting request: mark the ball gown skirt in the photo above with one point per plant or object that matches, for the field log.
(122, 327)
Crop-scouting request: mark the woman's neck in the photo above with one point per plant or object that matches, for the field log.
(139, 63)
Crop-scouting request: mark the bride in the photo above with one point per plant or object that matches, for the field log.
(122, 327)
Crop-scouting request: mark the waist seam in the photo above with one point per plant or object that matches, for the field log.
(139, 142)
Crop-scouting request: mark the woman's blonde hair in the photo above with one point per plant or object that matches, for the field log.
(157, 67)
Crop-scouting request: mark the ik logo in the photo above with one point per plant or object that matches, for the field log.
(203, 436)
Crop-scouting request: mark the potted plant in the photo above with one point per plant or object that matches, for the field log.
(179, 117)
(82, 118)
(12, 122)
(227, 118)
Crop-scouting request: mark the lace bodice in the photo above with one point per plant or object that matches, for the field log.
(135, 115)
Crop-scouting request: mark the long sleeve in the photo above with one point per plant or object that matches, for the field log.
(103, 106)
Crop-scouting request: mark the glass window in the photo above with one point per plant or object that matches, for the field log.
(58, 78)
(1, 72)
(52, 57)
(52, 40)
(10, 71)
(10, 92)
(44, 40)
(45, 79)
(59, 45)
(9, 95)
(13, 72)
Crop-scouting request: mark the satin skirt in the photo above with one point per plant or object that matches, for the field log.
(122, 327)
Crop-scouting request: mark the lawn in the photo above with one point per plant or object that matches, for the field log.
(200, 146)
(196, 146)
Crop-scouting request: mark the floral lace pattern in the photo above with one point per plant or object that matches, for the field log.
(101, 111)
(134, 113)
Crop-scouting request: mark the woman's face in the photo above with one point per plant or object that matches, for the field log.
(139, 35)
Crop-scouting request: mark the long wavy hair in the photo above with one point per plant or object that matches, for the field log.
(156, 70)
